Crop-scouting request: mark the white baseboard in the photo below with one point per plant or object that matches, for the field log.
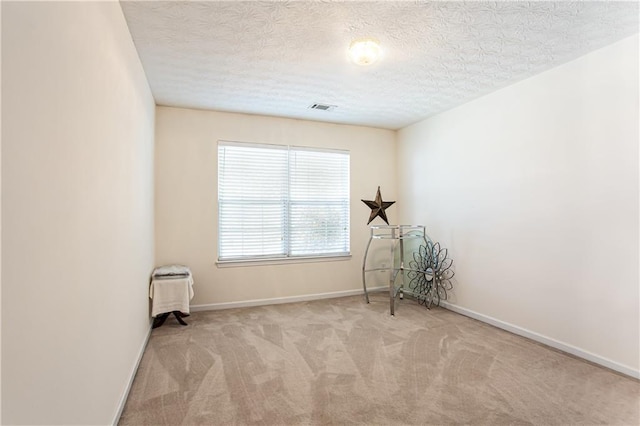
(564, 347)
(132, 375)
(280, 300)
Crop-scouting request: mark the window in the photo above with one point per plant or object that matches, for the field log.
(279, 202)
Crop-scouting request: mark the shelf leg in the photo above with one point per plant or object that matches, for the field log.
(364, 264)
(392, 280)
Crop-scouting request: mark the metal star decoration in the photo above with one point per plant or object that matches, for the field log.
(378, 207)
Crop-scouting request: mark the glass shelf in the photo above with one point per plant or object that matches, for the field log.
(396, 268)
(397, 232)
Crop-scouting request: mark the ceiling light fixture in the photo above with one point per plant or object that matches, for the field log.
(364, 51)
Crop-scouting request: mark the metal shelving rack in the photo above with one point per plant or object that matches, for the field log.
(399, 233)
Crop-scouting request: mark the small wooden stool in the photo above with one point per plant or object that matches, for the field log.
(170, 296)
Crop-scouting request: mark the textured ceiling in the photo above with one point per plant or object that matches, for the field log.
(278, 58)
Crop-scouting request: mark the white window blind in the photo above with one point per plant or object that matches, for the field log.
(282, 202)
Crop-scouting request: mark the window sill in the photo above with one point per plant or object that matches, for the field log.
(280, 261)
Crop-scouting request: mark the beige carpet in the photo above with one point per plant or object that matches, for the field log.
(341, 361)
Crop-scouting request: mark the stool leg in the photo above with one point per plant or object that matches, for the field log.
(179, 316)
(160, 319)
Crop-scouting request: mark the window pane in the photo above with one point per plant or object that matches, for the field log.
(319, 198)
(319, 228)
(252, 201)
(251, 229)
(320, 175)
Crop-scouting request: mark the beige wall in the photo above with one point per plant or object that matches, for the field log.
(534, 189)
(186, 200)
(77, 211)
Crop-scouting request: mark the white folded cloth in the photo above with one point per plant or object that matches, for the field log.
(171, 270)
(171, 294)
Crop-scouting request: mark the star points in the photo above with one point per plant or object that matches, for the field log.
(378, 207)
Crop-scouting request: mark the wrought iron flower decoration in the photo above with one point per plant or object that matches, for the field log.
(430, 274)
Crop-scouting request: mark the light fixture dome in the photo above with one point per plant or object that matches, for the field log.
(364, 51)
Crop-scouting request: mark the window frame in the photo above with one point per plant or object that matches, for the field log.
(287, 258)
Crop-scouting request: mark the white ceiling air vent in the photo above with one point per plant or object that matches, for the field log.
(323, 107)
